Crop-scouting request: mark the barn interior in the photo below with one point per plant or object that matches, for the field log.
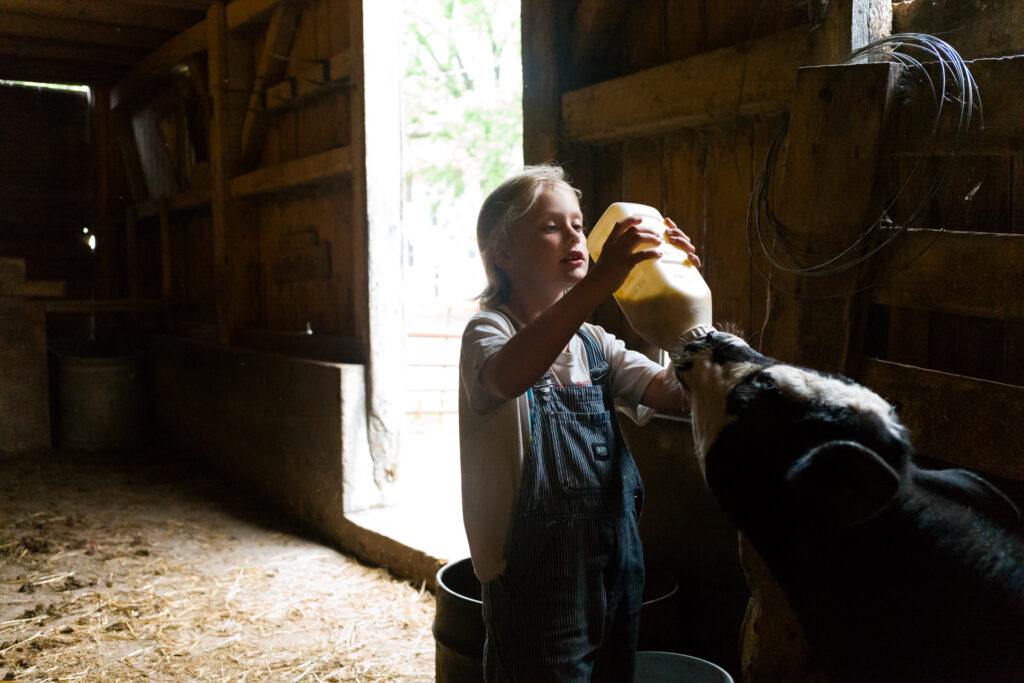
(210, 238)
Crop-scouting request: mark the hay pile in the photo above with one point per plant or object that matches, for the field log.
(113, 575)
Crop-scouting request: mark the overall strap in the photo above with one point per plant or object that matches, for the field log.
(595, 359)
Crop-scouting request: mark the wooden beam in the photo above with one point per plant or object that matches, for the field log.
(175, 51)
(269, 71)
(939, 271)
(754, 78)
(950, 417)
(71, 52)
(333, 163)
(115, 12)
(71, 30)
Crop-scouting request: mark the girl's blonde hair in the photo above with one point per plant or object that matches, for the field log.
(509, 202)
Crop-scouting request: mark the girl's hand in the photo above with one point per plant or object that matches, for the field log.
(620, 253)
(678, 238)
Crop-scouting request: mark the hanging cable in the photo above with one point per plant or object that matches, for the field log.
(770, 239)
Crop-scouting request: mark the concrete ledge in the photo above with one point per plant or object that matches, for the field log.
(290, 430)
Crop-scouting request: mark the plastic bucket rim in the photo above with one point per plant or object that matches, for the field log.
(688, 657)
(442, 585)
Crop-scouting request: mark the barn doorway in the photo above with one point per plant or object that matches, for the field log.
(462, 134)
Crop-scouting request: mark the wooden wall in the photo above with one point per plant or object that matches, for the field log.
(253, 166)
(675, 104)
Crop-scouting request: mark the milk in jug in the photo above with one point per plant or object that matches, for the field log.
(663, 298)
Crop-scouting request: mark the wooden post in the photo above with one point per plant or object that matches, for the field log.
(376, 226)
(830, 194)
(105, 262)
(233, 249)
(542, 25)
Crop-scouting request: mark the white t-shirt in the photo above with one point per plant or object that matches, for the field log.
(495, 434)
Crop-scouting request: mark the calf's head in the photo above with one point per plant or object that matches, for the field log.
(765, 431)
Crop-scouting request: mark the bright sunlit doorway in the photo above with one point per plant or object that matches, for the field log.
(462, 134)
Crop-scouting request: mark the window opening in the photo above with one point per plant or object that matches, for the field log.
(462, 121)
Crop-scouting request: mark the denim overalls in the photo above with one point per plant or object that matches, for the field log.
(568, 604)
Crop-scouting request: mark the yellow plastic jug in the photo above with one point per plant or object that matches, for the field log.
(664, 298)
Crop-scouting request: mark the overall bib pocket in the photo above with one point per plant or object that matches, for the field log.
(587, 461)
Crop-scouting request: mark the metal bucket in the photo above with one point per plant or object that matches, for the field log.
(459, 627)
(671, 667)
(661, 611)
(99, 402)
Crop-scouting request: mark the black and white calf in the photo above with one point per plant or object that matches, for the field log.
(896, 572)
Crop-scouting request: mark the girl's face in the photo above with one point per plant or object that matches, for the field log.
(547, 252)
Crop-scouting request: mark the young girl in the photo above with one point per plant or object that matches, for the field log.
(550, 493)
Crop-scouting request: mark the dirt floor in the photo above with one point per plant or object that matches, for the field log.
(118, 569)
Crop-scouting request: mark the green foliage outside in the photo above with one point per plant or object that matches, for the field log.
(462, 96)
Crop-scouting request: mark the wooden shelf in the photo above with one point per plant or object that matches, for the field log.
(753, 78)
(334, 163)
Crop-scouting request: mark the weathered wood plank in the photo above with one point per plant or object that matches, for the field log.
(642, 183)
(269, 71)
(542, 24)
(376, 214)
(956, 419)
(312, 169)
(976, 28)
(750, 79)
(829, 194)
(724, 266)
(595, 29)
(976, 274)
(914, 118)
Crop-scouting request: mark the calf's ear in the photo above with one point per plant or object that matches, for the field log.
(971, 490)
(845, 481)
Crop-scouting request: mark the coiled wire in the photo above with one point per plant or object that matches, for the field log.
(767, 236)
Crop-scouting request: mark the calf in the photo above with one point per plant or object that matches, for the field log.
(895, 572)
